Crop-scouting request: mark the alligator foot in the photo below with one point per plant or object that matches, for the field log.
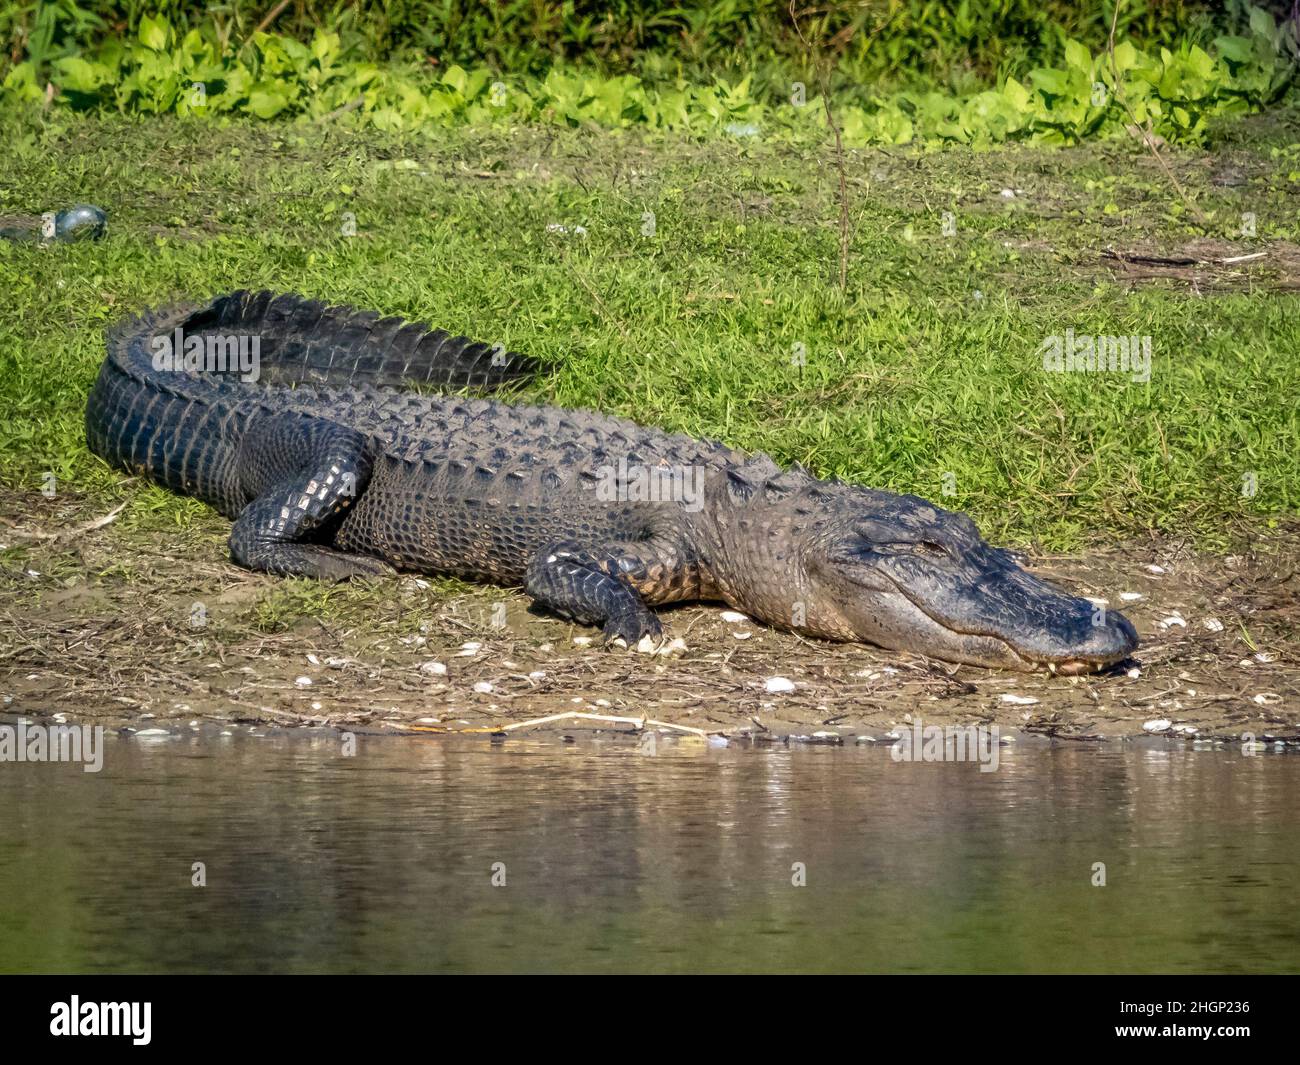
(311, 560)
(631, 629)
(303, 473)
(575, 582)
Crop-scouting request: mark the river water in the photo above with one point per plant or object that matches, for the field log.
(541, 855)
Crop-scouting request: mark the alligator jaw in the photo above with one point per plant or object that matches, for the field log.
(1064, 667)
(1006, 656)
(1070, 663)
(910, 624)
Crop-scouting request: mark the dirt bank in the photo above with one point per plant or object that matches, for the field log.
(107, 625)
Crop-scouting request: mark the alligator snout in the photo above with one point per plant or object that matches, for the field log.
(1042, 626)
(1090, 637)
(948, 594)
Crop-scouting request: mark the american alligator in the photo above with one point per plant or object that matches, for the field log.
(328, 470)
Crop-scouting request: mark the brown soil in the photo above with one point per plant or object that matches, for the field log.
(96, 624)
(1206, 265)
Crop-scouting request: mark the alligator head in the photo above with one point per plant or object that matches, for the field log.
(849, 563)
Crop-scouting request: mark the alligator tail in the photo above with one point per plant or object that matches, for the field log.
(292, 340)
(305, 341)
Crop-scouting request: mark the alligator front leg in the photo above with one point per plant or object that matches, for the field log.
(302, 473)
(594, 587)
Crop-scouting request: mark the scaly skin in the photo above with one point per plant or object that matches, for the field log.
(327, 471)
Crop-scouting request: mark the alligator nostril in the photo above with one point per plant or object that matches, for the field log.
(1116, 638)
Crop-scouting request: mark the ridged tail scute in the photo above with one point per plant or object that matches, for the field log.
(286, 340)
(306, 341)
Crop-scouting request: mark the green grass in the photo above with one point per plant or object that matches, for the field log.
(908, 375)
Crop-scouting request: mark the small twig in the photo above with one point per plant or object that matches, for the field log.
(1179, 260)
(605, 312)
(271, 16)
(91, 526)
(72, 534)
(639, 722)
(351, 105)
(822, 67)
(1157, 260)
(1147, 139)
(569, 715)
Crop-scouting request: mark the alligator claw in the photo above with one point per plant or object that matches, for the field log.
(631, 629)
(363, 566)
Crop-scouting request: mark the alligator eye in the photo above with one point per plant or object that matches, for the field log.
(929, 548)
(867, 548)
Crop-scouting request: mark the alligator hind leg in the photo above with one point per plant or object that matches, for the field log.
(301, 473)
(593, 587)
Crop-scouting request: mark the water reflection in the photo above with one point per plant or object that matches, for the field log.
(617, 861)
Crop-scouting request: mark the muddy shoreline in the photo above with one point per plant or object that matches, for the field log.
(104, 627)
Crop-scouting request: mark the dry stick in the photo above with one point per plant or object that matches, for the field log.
(613, 719)
(72, 534)
(271, 16)
(351, 105)
(1180, 260)
(569, 715)
(91, 526)
(1146, 135)
(823, 76)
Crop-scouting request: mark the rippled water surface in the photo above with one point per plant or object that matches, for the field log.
(614, 860)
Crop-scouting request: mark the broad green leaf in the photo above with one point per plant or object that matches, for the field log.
(1235, 49)
(1049, 80)
(153, 32)
(266, 102)
(324, 45)
(82, 76)
(1017, 95)
(1200, 64)
(456, 78)
(1077, 56)
(1261, 23)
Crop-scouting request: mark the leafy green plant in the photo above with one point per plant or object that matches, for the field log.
(158, 70)
(956, 45)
